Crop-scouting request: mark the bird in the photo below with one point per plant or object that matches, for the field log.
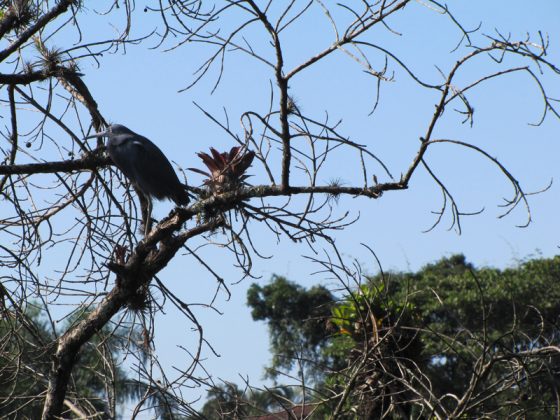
(145, 166)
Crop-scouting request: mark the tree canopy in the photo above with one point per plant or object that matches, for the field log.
(449, 341)
(25, 362)
(100, 387)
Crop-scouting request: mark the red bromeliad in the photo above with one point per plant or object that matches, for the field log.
(227, 170)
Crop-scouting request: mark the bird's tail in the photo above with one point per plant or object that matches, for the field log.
(181, 196)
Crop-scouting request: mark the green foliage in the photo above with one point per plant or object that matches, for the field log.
(296, 319)
(25, 359)
(23, 362)
(228, 401)
(370, 308)
(465, 311)
(447, 320)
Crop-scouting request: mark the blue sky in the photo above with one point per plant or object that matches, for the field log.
(145, 98)
(140, 89)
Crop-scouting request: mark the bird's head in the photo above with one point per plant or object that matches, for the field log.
(116, 129)
(112, 131)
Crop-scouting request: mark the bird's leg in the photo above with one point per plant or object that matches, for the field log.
(146, 203)
(146, 210)
(148, 221)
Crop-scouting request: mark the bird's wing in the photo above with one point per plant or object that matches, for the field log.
(154, 173)
(121, 150)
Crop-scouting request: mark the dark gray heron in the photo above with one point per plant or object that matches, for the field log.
(145, 165)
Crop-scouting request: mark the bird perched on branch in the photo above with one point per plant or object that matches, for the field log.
(145, 165)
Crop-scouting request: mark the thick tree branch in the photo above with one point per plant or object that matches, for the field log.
(141, 267)
(70, 344)
(90, 162)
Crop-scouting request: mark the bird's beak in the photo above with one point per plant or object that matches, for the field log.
(100, 134)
